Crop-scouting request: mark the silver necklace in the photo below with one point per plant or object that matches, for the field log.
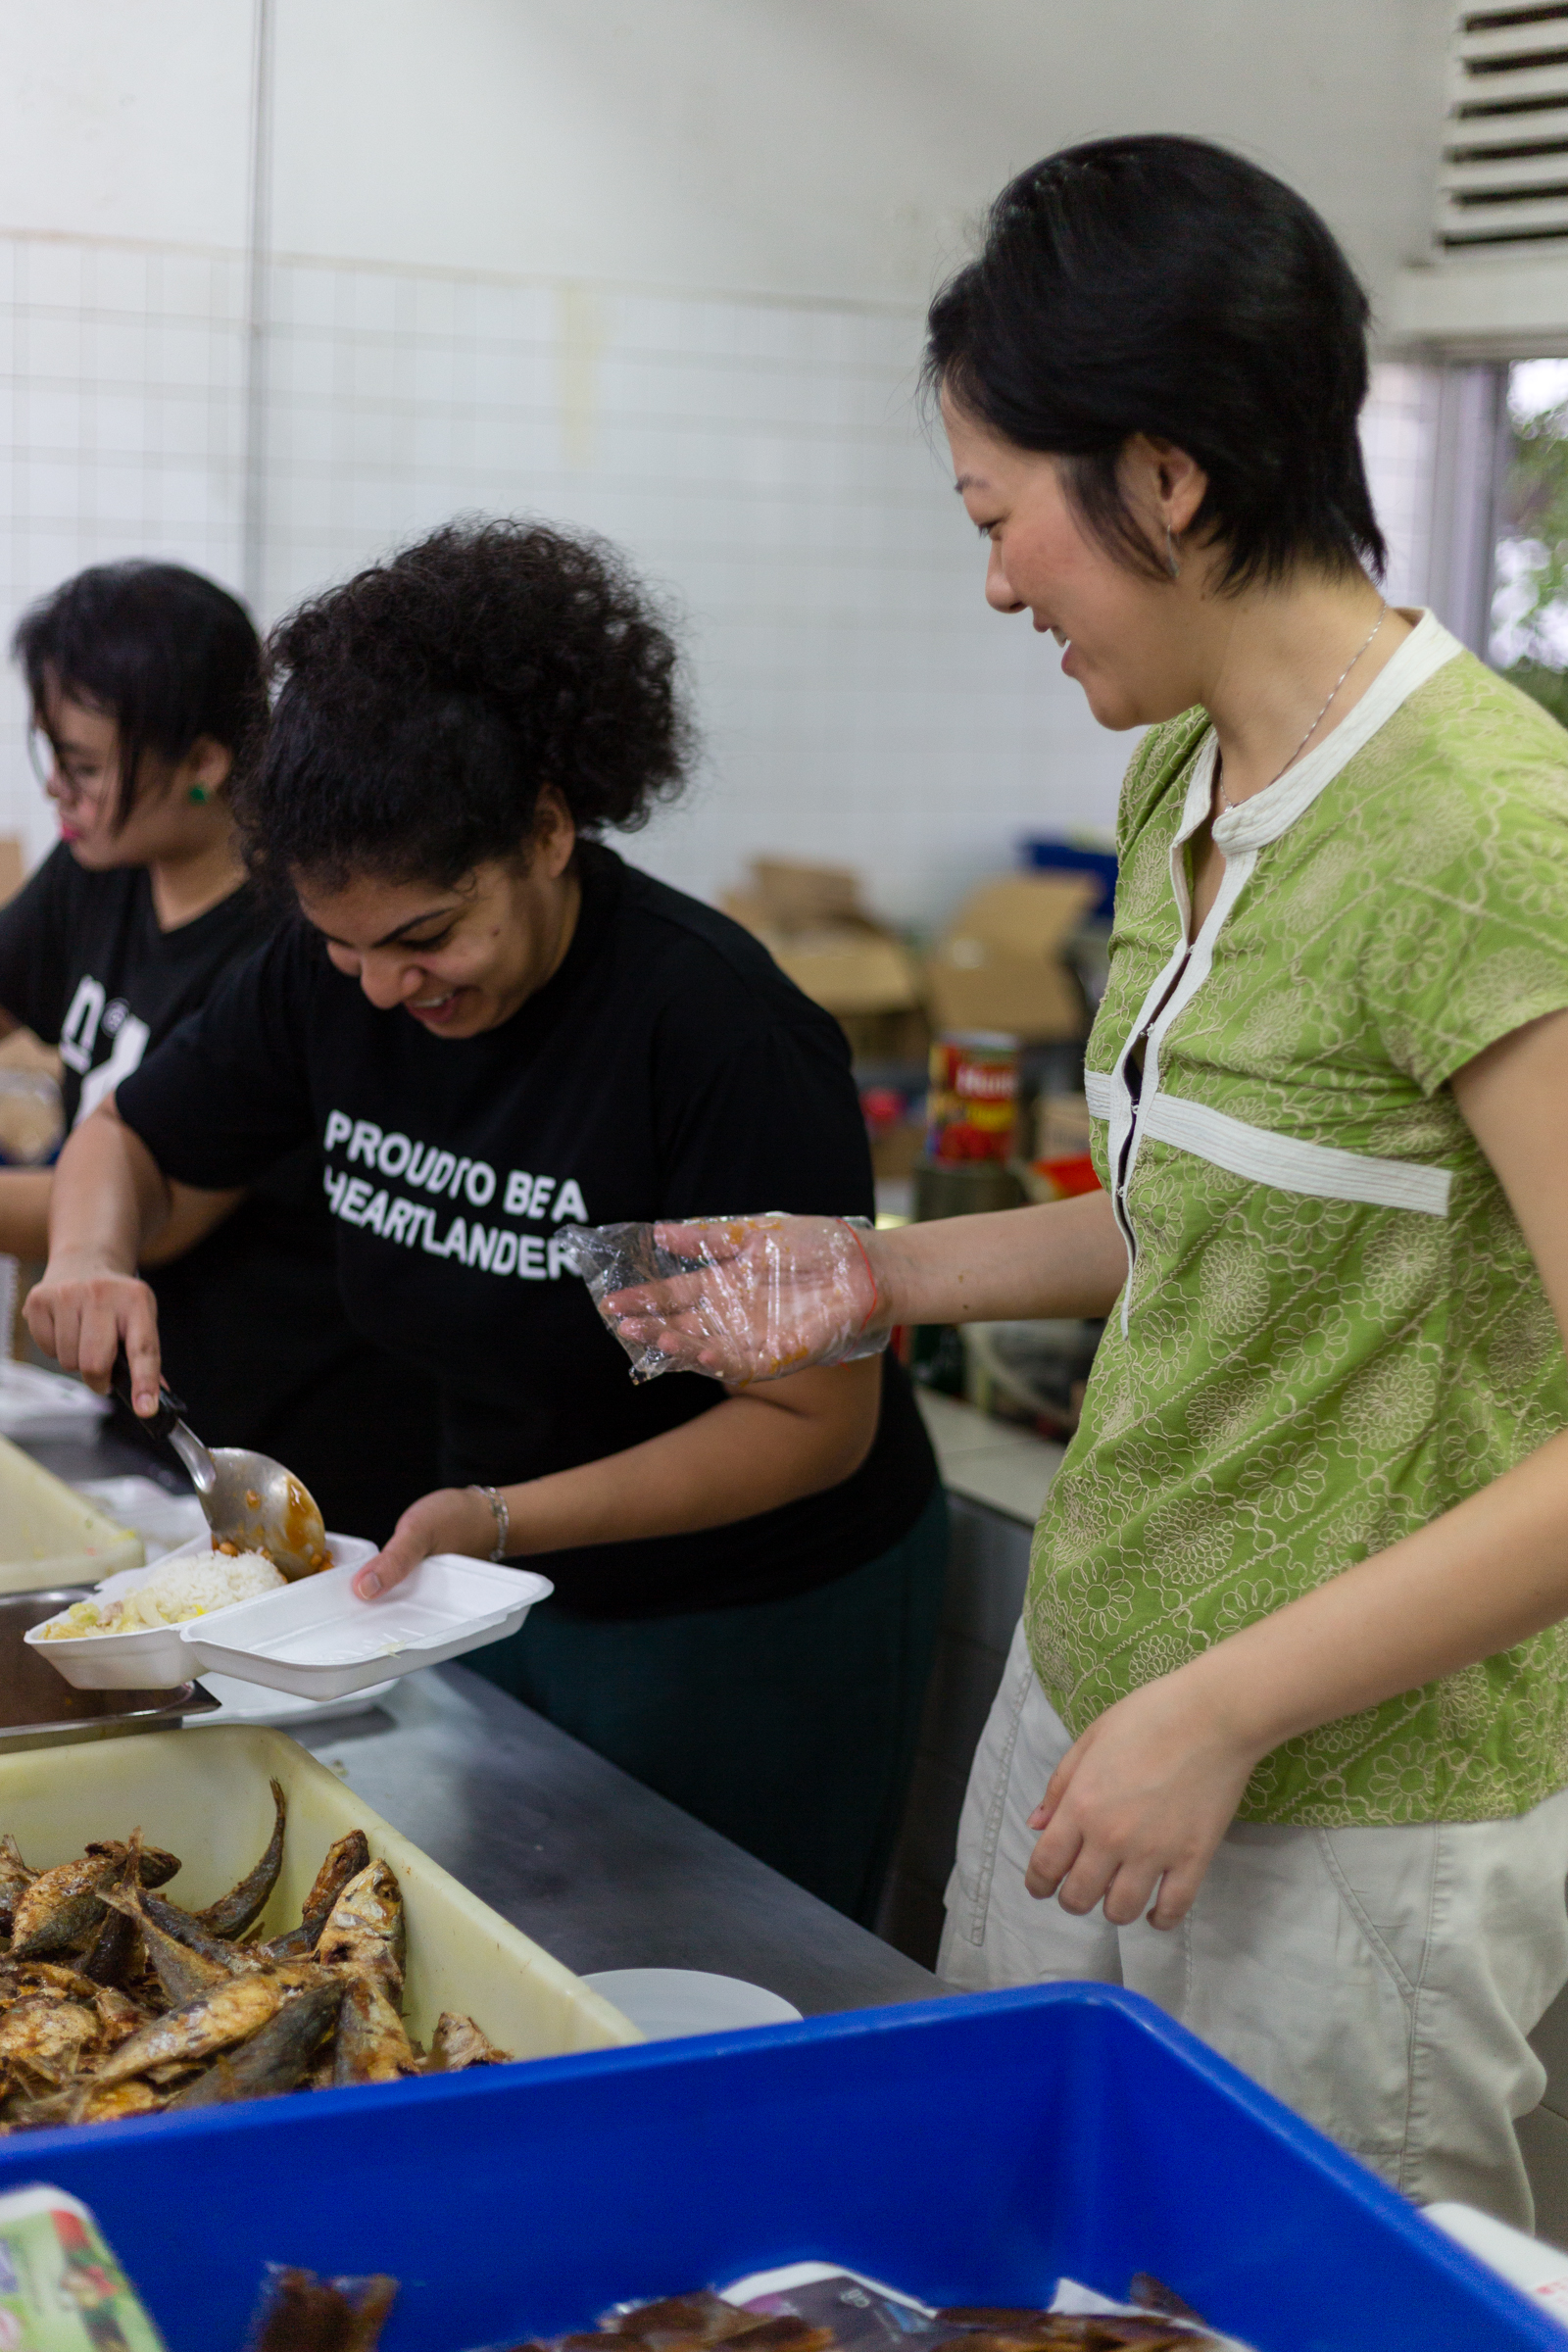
(1383, 615)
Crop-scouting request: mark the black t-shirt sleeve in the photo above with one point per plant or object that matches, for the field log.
(34, 936)
(758, 1110)
(226, 1094)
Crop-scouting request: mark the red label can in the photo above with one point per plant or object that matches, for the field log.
(973, 1102)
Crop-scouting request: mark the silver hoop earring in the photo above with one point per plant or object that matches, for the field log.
(1170, 555)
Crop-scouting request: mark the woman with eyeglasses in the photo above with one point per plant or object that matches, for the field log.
(142, 678)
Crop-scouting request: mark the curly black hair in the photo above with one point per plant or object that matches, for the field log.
(425, 704)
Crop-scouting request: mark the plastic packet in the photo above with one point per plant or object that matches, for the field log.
(861, 2315)
(61, 2287)
(741, 1298)
(301, 2312)
(822, 2307)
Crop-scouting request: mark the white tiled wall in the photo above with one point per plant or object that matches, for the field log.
(120, 424)
(1398, 441)
(762, 460)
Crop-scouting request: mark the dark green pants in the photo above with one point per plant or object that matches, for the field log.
(789, 1725)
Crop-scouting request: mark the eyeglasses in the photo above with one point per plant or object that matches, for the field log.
(52, 769)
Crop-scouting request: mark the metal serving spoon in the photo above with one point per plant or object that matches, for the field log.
(247, 1499)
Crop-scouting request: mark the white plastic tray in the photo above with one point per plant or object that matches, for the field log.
(49, 1535)
(154, 1658)
(208, 1801)
(162, 1520)
(35, 1403)
(315, 1639)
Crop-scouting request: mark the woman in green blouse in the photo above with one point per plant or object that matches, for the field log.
(1285, 1730)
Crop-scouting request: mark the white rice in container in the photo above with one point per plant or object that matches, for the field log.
(182, 1588)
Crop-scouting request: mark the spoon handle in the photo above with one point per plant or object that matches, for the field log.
(170, 1408)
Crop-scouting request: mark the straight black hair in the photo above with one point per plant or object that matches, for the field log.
(167, 653)
(1166, 286)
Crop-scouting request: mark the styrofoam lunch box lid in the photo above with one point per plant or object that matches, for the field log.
(153, 1658)
(316, 1639)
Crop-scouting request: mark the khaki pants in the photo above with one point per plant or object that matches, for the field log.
(1380, 1981)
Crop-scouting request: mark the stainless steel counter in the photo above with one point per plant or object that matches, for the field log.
(592, 1865)
(1007, 1469)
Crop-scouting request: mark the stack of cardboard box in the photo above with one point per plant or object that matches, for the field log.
(1002, 964)
(811, 921)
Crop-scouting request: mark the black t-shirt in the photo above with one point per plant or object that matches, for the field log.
(669, 1069)
(255, 1337)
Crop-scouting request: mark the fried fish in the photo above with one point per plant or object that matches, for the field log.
(231, 2012)
(371, 2043)
(244, 1905)
(365, 1928)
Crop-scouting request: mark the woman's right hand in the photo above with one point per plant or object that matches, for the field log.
(769, 1295)
(82, 1318)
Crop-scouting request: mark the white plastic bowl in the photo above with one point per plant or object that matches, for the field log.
(154, 1658)
(669, 2004)
(318, 1640)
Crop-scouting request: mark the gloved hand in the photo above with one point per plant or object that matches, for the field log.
(741, 1298)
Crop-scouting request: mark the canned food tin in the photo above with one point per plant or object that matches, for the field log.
(974, 1096)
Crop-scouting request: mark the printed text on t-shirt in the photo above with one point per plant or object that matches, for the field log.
(433, 1169)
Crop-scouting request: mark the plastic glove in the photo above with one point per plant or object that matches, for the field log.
(741, 1298)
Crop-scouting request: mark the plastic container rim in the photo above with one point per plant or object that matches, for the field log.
(1389, 2208)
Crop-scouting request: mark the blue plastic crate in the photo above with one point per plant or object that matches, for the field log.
(1043, 854)
(967, 2150)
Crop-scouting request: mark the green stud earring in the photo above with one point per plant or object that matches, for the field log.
(199, 794)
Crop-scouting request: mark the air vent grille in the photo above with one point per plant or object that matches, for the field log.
(1504, 178)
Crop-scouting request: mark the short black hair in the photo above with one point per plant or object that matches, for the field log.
(1166, 286)
(423, 706)
(165, 652)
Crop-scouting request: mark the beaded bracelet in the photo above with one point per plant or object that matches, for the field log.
(503, 1517)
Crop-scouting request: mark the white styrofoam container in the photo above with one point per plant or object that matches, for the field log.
(153, 1658)
(35, 1403)
(315, 1639)
(252, 1703)
(49, 1535)
(1538, 2270)
(207, 1800)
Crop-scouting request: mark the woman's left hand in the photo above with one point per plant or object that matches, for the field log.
(451, 1519)
(1135, 1808)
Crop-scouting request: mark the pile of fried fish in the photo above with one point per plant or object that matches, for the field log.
(704, 2322)
(115, 2001)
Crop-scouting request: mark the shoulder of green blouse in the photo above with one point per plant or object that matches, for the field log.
(1161, 763)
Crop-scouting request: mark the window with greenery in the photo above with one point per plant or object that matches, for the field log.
(1530, 603)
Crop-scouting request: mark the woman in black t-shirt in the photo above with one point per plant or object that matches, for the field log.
(141, 678)
(493, 1028)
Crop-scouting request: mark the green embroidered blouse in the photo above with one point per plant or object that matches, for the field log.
(1332, 1329)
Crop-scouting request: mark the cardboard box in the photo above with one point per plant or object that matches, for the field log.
(888, 1037)
(1000, 964)
(19, 1050)
(810, 920)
